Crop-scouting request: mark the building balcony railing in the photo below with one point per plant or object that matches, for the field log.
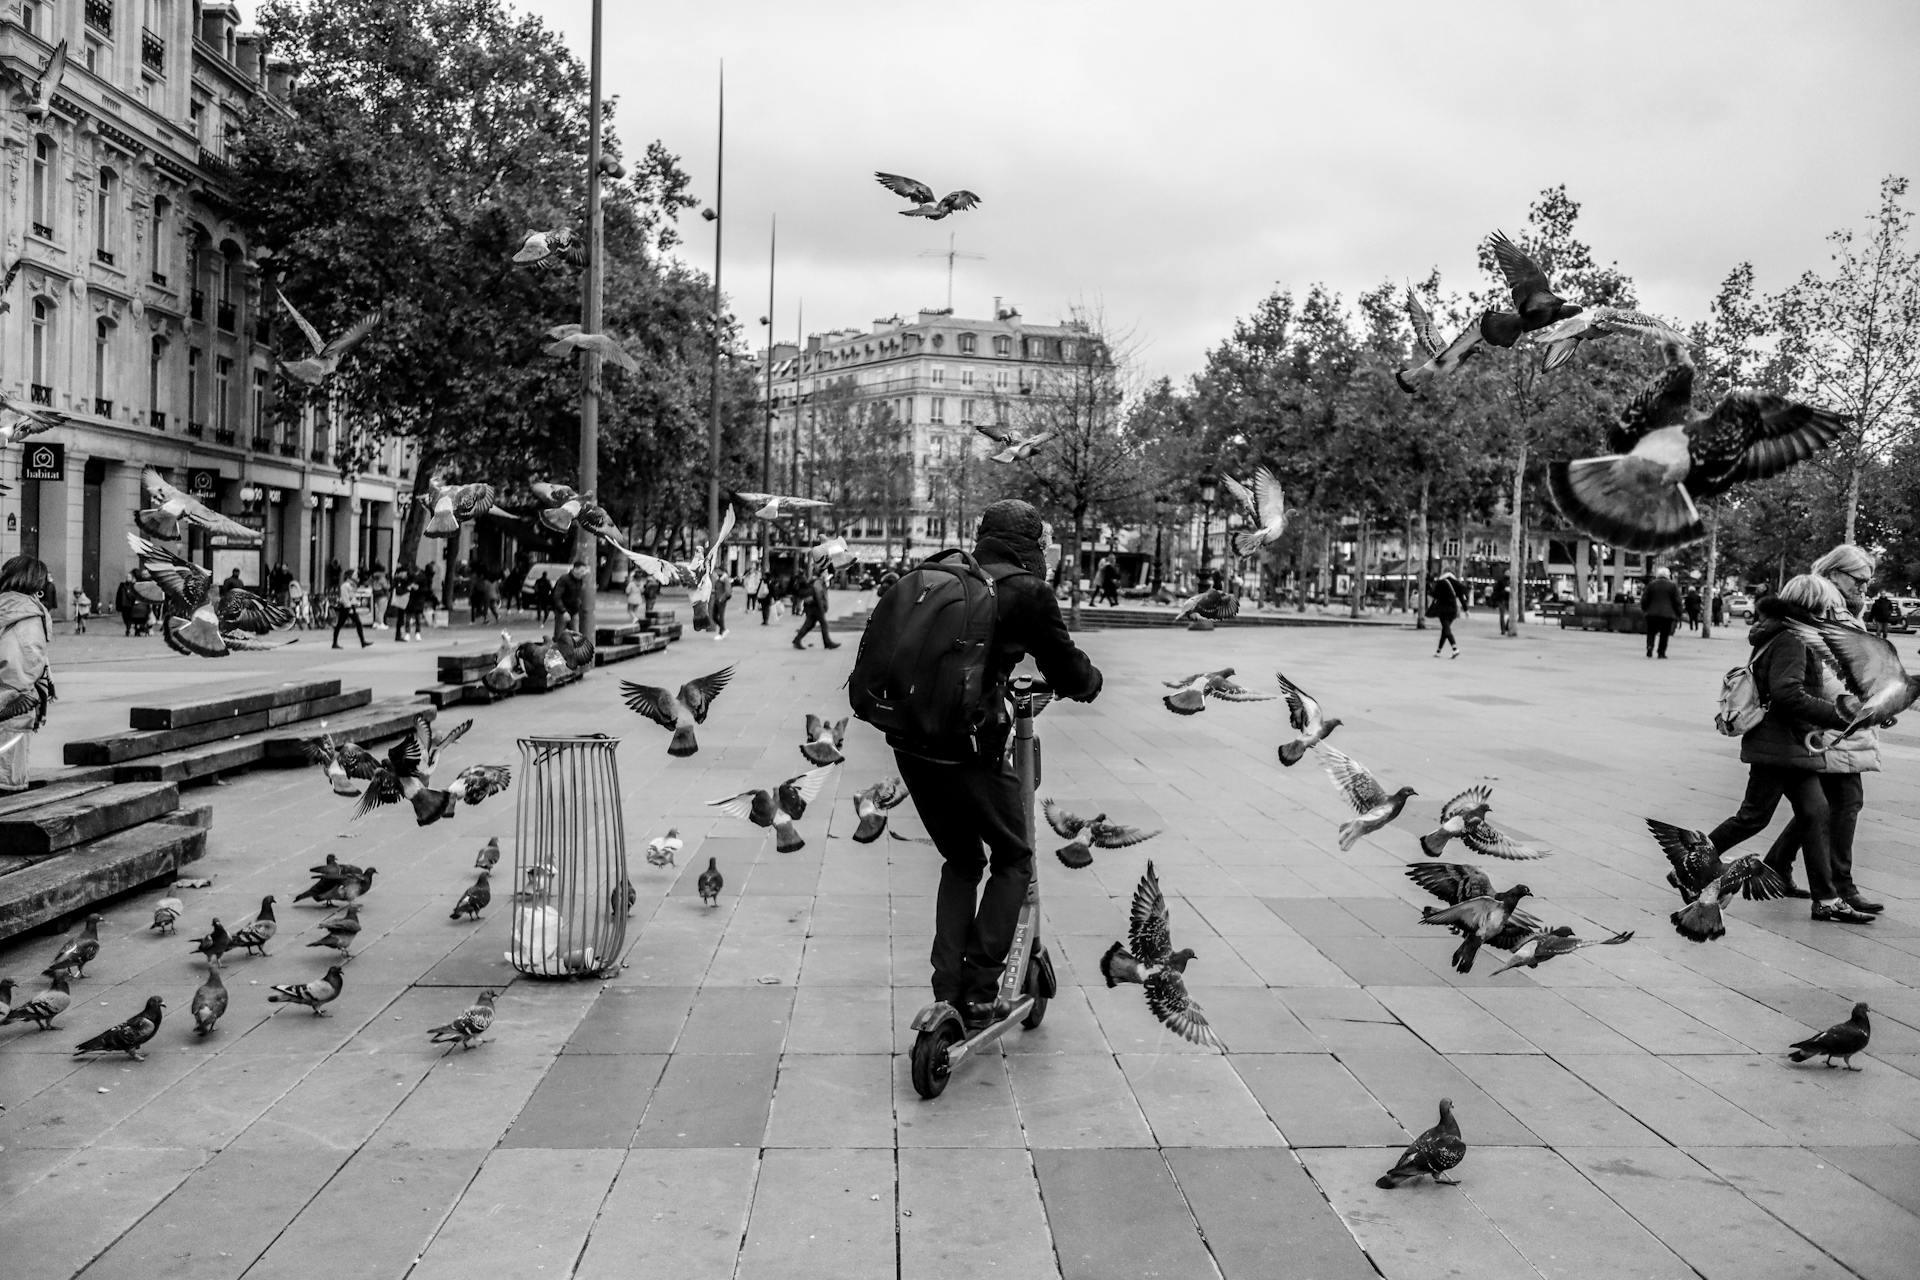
(289, 448)
(153, 50)
(42, 230)
(384, 467)
(197, 305)
(223, 435)
(262, 444)
(102, 408)
(104, 256)
(41, 393)
(158, 418)
(223, 316)
(100, 16)
(318, 453)
(196, 429)
(160, 278)
(213, 163)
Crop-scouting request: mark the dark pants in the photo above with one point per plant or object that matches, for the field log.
(766, 609)
(1446, 632)
(341, 617)
(1845, 796)
(1693, 620)
(720, 613)
(1660, 629)
(814, 620)
(1813, 813)
(973, 812)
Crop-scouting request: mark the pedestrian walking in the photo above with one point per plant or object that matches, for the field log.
(346, 608)
(570, 597)
(542, 597)
(1661, 605)
(1719, 609)
(380, 590)
(1883, 614)
(722, 592)
(1692, 606)
(810, 592)
(1107, 582)
(1502, 601)
(419, 600)
(299, 605)
(1446, 600)
(751, 586)
(26, 628)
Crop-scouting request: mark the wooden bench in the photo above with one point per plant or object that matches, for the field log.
(621, 634)
(137, 743)
(69, 816)
(78, 877)
(227, 705)
(465, 667)
(380, 722)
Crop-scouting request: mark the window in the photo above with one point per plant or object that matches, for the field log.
(1066, 349)
(259, 401)
(42, 343)
(30, 17)
(939, 375)
(222, 390)
(968, 344)
(197, 121)
(966, 413)
(194, 358)
(156, 361)
(1003, 346)
(966, 377)
(45, 157)
(1000, 412)
(100, 16)
(103, 366)
(1000, 379)
(937, 409)
(157, 263)
(1449, 548)
(104, 200)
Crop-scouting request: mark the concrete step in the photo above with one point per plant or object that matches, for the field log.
(76, 879)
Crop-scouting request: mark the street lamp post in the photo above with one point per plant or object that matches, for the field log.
(1207, 492)
(713, 420)
(1159, 523)
(590, 319)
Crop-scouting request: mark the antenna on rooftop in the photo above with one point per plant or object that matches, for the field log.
(950, 253)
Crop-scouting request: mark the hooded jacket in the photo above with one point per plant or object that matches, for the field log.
(25, 626)
(1799, 691)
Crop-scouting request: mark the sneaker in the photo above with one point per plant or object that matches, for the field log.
(1838, 912)
(835, 644)
(1859, 903)
(1454, 654)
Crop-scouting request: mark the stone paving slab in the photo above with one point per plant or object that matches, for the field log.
(822, 1215)
(946, 1194)
(1254, 1206)
(1418, 1230)
(374, 1217)
(588, 1100)
(526, 1213)
(673, 1213)
(1867, 1233)
(1115, 1215)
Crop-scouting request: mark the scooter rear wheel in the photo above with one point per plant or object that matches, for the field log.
(929, 1059)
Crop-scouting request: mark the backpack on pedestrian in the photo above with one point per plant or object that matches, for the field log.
(1741, 706)
(921, 674)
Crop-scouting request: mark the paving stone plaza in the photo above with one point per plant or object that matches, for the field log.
(736, 1102)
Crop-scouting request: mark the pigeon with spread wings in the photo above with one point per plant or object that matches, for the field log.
(679, 711)
(1018, 447)
(1541, 946)
(170, 507)
(407, 775)
(569, 338)
(559, 504)
(1493, 919)
(1564, 338)
(1266, 509)
(1438, 358)
(551, 250)
(1212, 604)
(1084, 835)
(40, 88)
(1310, 726)
(870, 805)
(190, 620)
(778, 807)
(342, 762)
(450, 506)
(771, 506)
(1194, 690)
(1150, 960)
(1869, 666)
(924, 205)
(1667, 457)
(824, 739)
(1464, 817)
(1534, 300)
(1363, 791)
(314, 370)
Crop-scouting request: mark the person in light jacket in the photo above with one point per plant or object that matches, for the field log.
(26, 681)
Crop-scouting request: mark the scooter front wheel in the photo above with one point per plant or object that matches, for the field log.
(929, 1059)
(1041, 985)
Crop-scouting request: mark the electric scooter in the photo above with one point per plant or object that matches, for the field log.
(1027, 982)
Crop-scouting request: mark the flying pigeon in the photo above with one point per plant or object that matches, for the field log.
(833, 550)
(700, 589)
(170, 507)
(662, 850)
(1439, 358)
(41, 88)
(215, 943)
(1084, 835)
(192, 620)
(1019, 447)
(1539, 947)
(466, 1030)
(45, 1007)
(340, 931)
(209, 1001)
(772, 506)
(1697, 864)
(1310, 727)
(478, 781)
(489, 856)
(778, 808)
(824, 739)
(924, 205)
(1432, 1153)
(314, 995)
(1868, 665)
(128, 1036)
(26, 418)
(559, 504)
(407, 772)
(341, 888)
(551, 250)
(1562, 339)
(1211, 603)
(6, 998)
(508, 671)
(680, 711)
(870, 806)
(1464, 817)
(1195, 689)
(1667, 456)
(1266, 512)
(1154, 964)
(710, 883)
(475, 899)
(569, 338)
(253, 934)
(450, 506)
(1364, 792)
(1533, 297)
(77, 952)
(1842, 1040)
(1490, 918)
(166, 914)
(325, 360)
(342, 763)
(1703, 919)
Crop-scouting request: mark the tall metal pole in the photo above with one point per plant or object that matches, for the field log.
(584, 547)
(766, 432)
(719, 227)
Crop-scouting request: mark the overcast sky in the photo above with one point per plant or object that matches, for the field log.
(1173, 163)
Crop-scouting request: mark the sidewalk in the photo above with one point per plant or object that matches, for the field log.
(737, 1103)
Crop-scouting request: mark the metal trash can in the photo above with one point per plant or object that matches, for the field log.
(570, 859)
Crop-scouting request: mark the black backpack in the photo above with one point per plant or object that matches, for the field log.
(921, 674)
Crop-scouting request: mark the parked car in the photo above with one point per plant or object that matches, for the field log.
(1906, 613)
(1740, 605)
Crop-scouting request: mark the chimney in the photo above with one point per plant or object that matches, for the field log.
(280, 78)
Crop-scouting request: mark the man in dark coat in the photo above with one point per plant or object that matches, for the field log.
(1693, 608)
(812, 595)
(972, 806)
(1446, 601)
(1661, 604)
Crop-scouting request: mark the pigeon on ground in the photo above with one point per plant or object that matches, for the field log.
(771, 506)
(1438, 358)
(44, 1007)
(316, 369)
(342, 889)
(622, 896)
(209, 1001)
(1667, 456)
(924, 205)
(1195, 689)
(506, 674)
(1212, 603)
(569, 338)
(40, 88)
(779, 807)
(314, 995)
(6, 998)
(1159, 969)
(1563, 339)
(679, 711)
(539, 880)
(1485, 919)
(710, 883)
(870, 806)
(340, 931)
(450, 506)
(489, 856)
(559, 505)
(824, 740)
(1868, 665)
(128, 1036)
(342, 762)
(662, 850)
(166, 914)
(77, 952)
(1363, 791)
(551, 250)
(1266, 511)
(466, 1030)
(1841, 1040)
(253, 934)
(215, 943)
(1432, 1153)
(1084, 835)
(1539, 947)
(478, 781)
(1464, 817)
(1534, 300)
(1310, 727)
(475, 899)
